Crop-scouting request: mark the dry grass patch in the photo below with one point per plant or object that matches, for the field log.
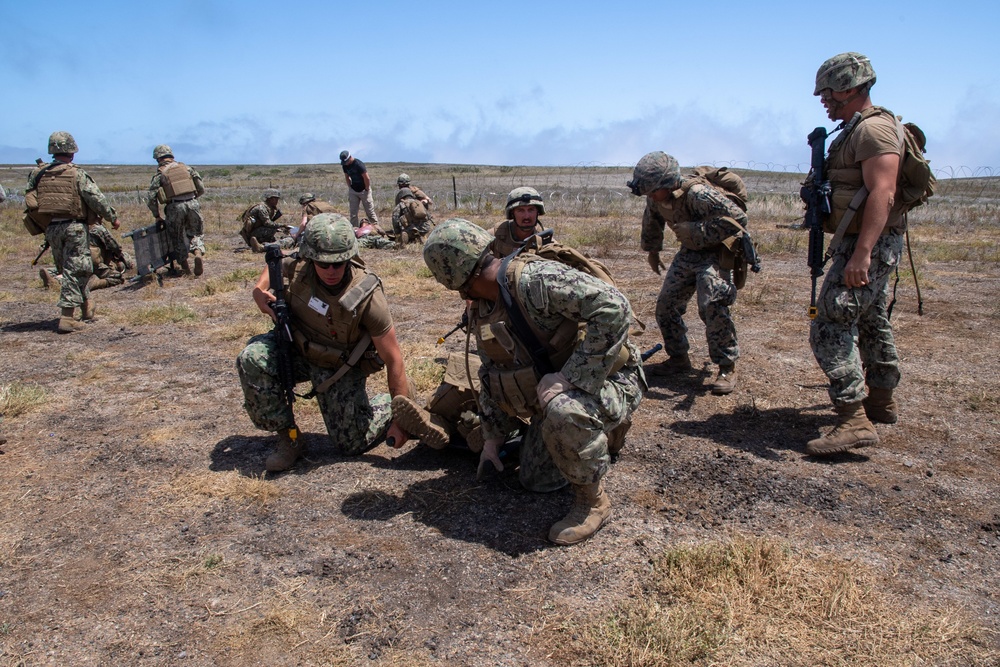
(18, 398)
(753, 602)
(172, 313)
(228, 486)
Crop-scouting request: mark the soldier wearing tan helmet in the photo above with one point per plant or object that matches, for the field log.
(865, 156)
(343, 333)
(173, 197)
(261, 226)
(62, 199)
(524, 207)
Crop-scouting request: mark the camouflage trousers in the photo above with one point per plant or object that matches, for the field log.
(376, 242)
(846, 315)
(568, 442)
(70, 243)
(697, 272)
(185, 228)
(354, 422)
(266, 234)
(416, 230)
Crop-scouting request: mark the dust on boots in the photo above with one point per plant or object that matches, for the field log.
(591, 510)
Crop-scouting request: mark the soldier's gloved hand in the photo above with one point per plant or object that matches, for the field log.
(654, 262)
(550, 386)
(490, 455)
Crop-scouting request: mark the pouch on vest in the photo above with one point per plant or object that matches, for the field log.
(515, 390)
(35, 222)
(415, 210)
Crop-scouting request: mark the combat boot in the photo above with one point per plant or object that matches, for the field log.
(880, 406)
(419, 423)
(199, 263)
(674, 365)
(616, 438)
(67, 324)
(88, 310)
(725, 381)
(185, 267)
(255, 244)
(97, 283)
(285, 454)
(853, 430)
(591, 510)
(48, 280)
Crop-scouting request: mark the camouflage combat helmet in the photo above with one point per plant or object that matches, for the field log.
(655, 171)
(404, 179)
(62, 142)
(843, 72)
(271, 192)
(453, 250)
(162, 150)
(524, 196)
(404, 193)
(329, 237)
(306, 198)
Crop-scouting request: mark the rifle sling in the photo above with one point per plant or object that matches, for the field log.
(852, 208)
(351, 361)
(517, 320)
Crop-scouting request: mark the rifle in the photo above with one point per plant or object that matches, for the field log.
(815, 193)
(464, 322)
(45, 246)
(650, 352)
(282, 331)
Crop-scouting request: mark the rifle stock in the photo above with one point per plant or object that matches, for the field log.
(816, 195)
(45, 246)
(282, 330)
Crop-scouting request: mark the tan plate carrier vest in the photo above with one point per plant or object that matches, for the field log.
(328, 340)
(176, 181)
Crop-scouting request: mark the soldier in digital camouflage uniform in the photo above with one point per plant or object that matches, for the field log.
(261, 226)
(111, 263)
(176, 187)
(452, 409)
(589, 386)
(852, 302)
(372, 237)
(524, 206)
(311, 207)
(68, 197)
(411, 217)
(702, 217)
(339, 312)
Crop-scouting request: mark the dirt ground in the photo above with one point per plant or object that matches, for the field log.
(139, 527)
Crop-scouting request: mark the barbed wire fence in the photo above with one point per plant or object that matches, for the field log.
(582, 190)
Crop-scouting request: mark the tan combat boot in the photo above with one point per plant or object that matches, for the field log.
(419, 423)
(285, 454)
(675, 365)
(255, 244)
(97, 283)
(725, 381)
(88, 310)
(48, 280)
(199, 263)
(853, 430)
(616, 438)
(591, 510)
(880, 406)
(67, 324)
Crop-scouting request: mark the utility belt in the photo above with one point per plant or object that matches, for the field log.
(515, 390)
(365, 358)
(66, 221)
(174, 200)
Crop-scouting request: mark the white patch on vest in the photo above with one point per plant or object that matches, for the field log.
(318, 305)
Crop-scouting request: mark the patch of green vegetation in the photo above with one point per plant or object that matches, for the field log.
(169, 314)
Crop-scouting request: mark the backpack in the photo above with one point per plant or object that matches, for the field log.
(543, 246)
(247, 225)
(916, 181)
(415, 211)
(726, 181)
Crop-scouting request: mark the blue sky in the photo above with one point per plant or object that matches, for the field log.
(512, 83)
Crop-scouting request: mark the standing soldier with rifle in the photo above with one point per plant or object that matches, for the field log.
(863, 172)
(176, 187)
(333, 329)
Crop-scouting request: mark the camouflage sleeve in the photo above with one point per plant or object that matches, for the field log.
(552, 292)
(652, 229)
(707, 203)
(93, 197)
(151, 202)
(199, 185)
